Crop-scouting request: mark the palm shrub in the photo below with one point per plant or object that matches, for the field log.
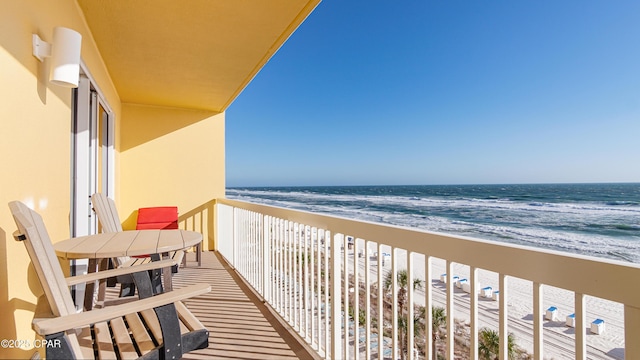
(489, 345)
(402, 278)
(418, 327)
(439, 319)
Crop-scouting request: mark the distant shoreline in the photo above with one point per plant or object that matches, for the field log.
(461, 184)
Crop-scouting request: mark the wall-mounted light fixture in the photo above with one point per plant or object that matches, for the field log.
(65, 55)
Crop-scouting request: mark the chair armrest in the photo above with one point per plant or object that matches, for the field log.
(81, 279)
(63, 323)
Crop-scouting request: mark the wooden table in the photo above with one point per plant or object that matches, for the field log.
(127, 243)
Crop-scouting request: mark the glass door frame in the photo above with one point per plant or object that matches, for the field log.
(90, 145)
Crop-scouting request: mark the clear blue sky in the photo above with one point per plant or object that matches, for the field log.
(445, 92)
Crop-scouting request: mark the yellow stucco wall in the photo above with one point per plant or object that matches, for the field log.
(171, 157)
(35, 131)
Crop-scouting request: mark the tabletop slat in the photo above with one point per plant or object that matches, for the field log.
(168, 239)
(190, 238)
(145, 243)
(119, 246)
(84, 248)
(126, 243)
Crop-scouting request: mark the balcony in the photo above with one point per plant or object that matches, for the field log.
(296, 262)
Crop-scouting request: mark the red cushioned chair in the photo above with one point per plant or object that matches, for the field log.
(162, 217)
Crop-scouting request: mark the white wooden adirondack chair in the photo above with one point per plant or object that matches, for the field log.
(105, 209)
(160, 326)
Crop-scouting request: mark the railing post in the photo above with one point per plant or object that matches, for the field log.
(300, 257)
(394, 303)
(380, 304)
(345, 300)
(450, 312)
(356, 300)
(318, 294)
(234, 235)
(289, 279)
(266, 263)
(473, 326)
(410, 301)
(327, 313)
(503, 318)
(305, 272)
(367, 299)
(312, 280)
(428, 304)
(537, 321)
(336, 317)
(631, 331)
(259, 253)
(581, 345)
(295, 240)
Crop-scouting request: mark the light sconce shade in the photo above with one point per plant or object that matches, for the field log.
(65, 55)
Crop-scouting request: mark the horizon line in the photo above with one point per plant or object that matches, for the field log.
(442, 184)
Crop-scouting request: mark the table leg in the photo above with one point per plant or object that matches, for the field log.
(166, 274)
(156, 280)
(90, 287)
(102, 284)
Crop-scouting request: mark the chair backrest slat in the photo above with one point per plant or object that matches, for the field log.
(107, 213)
(44, 258)
(45, 262)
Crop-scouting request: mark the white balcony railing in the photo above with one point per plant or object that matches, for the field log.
(297, 260)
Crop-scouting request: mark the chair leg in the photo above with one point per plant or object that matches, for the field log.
(199, 254)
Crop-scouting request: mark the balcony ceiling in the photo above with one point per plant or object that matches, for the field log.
(196, 54)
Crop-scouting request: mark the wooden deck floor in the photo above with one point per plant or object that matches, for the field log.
(240, 325)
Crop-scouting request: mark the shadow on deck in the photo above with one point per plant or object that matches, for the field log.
(240, 325)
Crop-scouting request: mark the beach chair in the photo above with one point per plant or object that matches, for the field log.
(551, 314)
(571, 320)
(157, 326)
(597, 326)
(486, 292)
(461, 282)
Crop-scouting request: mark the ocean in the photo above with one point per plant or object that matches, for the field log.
(601, 220)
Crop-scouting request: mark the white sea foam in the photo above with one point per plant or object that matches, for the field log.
(559, 226)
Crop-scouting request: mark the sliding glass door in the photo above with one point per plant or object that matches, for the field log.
(93, 152)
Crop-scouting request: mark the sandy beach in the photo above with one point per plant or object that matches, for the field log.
(559, 339)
